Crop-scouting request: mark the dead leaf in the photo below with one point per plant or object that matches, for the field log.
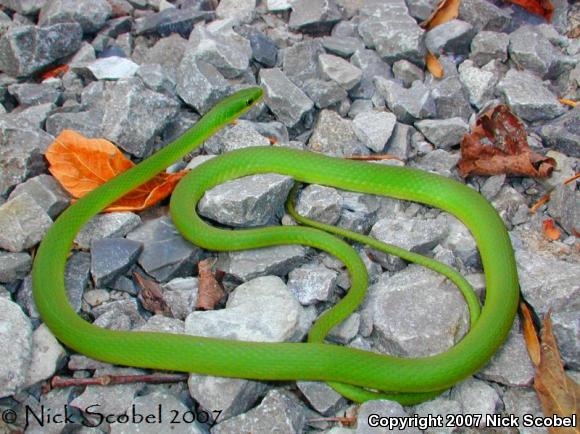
(568, 102)
(498, 144)
(550, 230)
(530, 334)
(56, 72)
(558, 393)
(81, 165)
(546, 198)
(434, 66)
(446, 10)
(544, 8)
(210, 291)
(151, 296)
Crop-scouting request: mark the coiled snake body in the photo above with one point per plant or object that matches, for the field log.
(353, 372)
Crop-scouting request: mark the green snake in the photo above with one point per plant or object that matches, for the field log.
(359, 375)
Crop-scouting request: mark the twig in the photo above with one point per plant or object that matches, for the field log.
(373, 157)
(546, 198)
(106, 380)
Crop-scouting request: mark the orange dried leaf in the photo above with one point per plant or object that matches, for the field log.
(569, 102)
(498, 144)
(210, 291)
(81, 165)
(434, 66)
(57, 71)
(544, 8)
(558, 393)
(550, 230)
(446, 10)
(530, 334)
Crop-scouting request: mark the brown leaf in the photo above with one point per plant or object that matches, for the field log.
(550, 230)
(530, 334)
(544, 8)
(558, 393)
(498, 144)
(151, 296)
(446, 10)
(81, 165)
(210, 291)
(434, 66)
(55, 72)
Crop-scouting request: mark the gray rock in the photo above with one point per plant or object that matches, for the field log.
(439, 406)
(264, 51)
(165, 406)
(335, 136)
(25, 50)
(476, 397)
(278, 5)
(246, 265)
(90, 14)
(22, 146)
(439, 161)
(399, 143)
(451, 98)
(278, 319)
(240, 11)
(156, 79)
(231, 395)
(507, 202)
(487, 46)
(134, 115)
(407, 104)
(200, 84)
(546, 282)
(344, 46)
(347, 330)
(339, 70)
(314, 16)
(249, 201)
(443, 133)
(483, 15)
(301, 61)
(87, 123)
(29, 94)
(388, 409)
(462, 243)
(563, 133)
(34, 116)
(407, 72)
(371, 65)
(451, 37)
(480, 84)
(531, 50)
(112, 68)
(171, 20)
(166, 254)
(14, 266)
(278, 409)
(359, 211)
(524, 401)
(163, 324)
(321, 397)
(416, 313)
(511, 365)
(24, 223)
(528, 97)
(167, 52)
(76, 277)
(229, 53)
(47, 355)
(111, 257)
(181, 296)
(394, 35)
(15, 347)
(312, 283)
(118, 315)
(109, 225)
(284, 98)
(566, 326)
(24, 7)
(320, 203)
(374, 129)
(241, 135)
(564, 206)
(46, 192)
(324, 93)
(114, 399)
